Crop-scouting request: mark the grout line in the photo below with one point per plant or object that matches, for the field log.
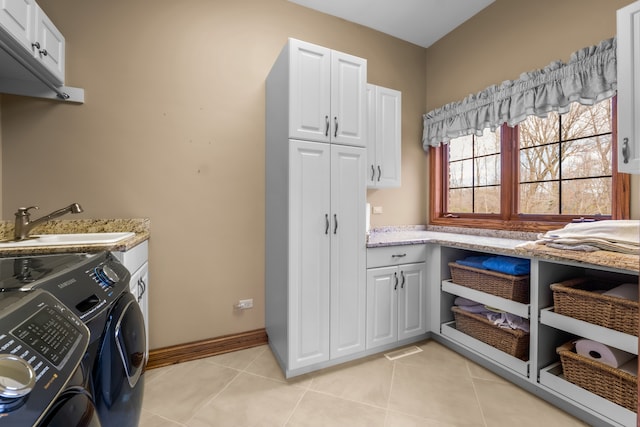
(475, 392)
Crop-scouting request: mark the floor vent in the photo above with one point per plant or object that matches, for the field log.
(402, 353)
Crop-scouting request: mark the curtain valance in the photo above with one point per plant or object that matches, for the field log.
(588, 77)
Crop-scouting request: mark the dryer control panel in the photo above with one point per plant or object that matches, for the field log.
(42, 343)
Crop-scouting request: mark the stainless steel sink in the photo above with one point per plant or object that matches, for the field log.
(69, 239)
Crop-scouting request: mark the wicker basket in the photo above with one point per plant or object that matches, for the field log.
(613, 384)
(512, 341)
(575, 298)
(515, 288)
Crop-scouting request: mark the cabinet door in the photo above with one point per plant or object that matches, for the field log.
(388, 139)
(382, 306)
(51, 42)
(309, 91)
(628, 60)
(17, 18)
(309, 258)
(348, 99)
(348, 250)
(412, 300)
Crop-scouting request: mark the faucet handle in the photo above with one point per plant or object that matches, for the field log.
(25, 211)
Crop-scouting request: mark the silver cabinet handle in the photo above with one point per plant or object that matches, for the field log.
(373, 173)
(326, 123)
(335, 131)
(625, 150)
(395, 287)
(335, 222)
(326, 220)
(402, 275)
(379, 173)
(398, 255)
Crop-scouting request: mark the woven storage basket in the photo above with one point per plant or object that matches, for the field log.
(512, 341)
(515, 288)
(575, 298)
(613, 384)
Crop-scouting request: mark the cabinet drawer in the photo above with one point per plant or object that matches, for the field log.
(395, 255)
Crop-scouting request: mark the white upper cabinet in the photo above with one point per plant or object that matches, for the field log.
(48, 47)
(17, 19)
(327, 95)
(384, 140)
(628, 58)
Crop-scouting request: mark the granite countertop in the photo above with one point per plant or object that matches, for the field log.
(140, 226)
(503, 242)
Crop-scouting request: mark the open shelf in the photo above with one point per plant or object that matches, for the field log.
(619, 340)
(552, 378)
(500, 357)
(500, 303)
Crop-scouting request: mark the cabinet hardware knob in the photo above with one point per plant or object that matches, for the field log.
(326, 123)
(36, 45)
(379, 173)
(326, 220)
(398, 255)
(335, 222)
(373, 173)
(402, 284)
(43, 52)
(335, 131)
(625, 150)
(395, 287)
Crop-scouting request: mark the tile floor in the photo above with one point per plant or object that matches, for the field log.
(436, 387)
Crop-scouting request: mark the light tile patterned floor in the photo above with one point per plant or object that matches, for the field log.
(436, 387)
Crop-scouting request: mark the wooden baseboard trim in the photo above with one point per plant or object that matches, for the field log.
(199, 349)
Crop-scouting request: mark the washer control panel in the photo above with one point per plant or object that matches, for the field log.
(41, 345)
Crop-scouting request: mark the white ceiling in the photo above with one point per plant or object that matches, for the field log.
(420, 22)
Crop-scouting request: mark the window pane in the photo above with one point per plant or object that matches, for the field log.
(587, 157)
(584, 120)
(536, 131)
(488, 170)
(539, 198)
(539, 163)
(586, 197)
(461, 148)
(488, 143)
(461, 174)
(460, 200)
(487, 200)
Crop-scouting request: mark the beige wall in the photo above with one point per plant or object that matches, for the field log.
(173, 126)
(513, 36)
(173, 129)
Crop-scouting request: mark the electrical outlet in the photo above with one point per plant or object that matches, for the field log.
(244, 304)
(377, 210)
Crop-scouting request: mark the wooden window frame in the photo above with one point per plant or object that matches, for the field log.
(509, 219)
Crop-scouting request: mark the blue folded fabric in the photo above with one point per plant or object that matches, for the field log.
(508, 265)
(474, 261)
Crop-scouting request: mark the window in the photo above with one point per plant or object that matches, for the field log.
(531, 177)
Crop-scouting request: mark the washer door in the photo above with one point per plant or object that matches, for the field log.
(73, 408)
(118, 373)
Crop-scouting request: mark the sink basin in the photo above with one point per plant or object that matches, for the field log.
(69, 239)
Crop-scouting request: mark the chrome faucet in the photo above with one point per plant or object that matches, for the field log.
(24, 224)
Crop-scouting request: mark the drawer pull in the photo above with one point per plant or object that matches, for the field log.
(398, 255)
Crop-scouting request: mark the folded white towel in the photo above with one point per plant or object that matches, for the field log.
(610, 235)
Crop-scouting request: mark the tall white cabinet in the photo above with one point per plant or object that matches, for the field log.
(628, 65)
(315, 254)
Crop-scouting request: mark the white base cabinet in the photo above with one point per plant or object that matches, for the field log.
(541, 374)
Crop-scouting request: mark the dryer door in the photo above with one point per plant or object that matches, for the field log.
(131, 340)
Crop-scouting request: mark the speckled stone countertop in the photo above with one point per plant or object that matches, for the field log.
(140, 226)
(492, 241)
